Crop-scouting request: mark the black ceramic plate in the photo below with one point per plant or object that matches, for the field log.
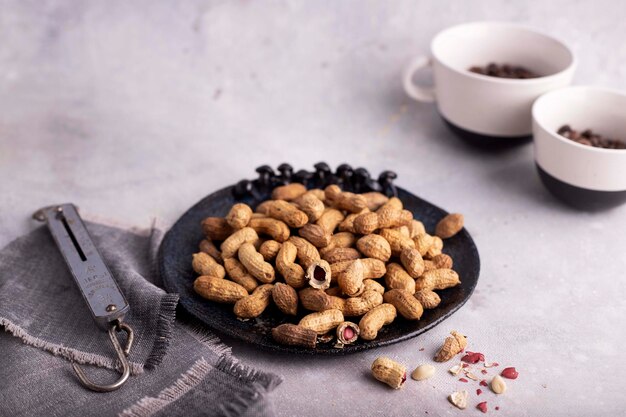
(182, 241)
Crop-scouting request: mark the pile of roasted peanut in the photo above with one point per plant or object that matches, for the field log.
(324, 251)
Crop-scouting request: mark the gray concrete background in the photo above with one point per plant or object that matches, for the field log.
(138, 109)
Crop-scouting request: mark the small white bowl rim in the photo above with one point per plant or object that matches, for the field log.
(498, 80)
(570, 142)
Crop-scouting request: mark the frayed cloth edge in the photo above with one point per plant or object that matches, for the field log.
(148, 406)
(207, 338)
(165, 322)
(260, 384)
(73, 355)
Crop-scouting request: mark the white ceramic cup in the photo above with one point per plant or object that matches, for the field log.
(483, 106)
(581, 175)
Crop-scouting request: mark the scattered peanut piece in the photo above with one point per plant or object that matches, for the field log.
(473, 357)
(423, 372)
(459, 399)
(510, 373)
(456, 369)
(471, 376)
(498, 385)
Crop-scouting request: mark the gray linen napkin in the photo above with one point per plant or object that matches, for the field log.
(178, 368)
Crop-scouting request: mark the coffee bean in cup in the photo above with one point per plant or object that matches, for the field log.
(589, 138)
(504, 71)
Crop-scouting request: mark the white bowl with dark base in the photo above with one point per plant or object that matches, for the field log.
(582, 176)
(484, 110)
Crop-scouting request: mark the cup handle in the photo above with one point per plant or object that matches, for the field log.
(419, 93)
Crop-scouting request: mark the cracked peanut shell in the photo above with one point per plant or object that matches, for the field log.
(453, 345)
(347, 332)
(318, 274)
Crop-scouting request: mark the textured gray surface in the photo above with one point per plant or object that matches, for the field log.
(139, 110)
